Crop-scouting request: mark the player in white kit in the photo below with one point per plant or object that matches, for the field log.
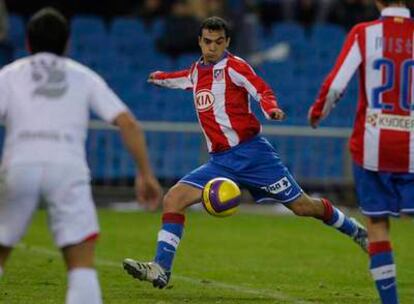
(44, 103)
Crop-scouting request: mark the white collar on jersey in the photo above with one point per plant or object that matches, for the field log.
(396, 12)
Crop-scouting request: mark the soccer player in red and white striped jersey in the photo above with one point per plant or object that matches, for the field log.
(382, 143)
(223, 108)
(221, 85)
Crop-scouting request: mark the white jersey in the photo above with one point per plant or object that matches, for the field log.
(44, 103)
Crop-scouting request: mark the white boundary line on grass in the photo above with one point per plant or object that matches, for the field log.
(275, 295)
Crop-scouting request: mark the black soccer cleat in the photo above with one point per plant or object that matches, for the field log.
(361, 236)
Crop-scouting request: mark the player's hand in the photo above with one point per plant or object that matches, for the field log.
(152, 76)
(148, 191)
(313, 120)
(277, 114)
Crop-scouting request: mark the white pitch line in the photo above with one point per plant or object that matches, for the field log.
(258, 292)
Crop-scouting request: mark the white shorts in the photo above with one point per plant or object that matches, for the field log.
(66, 189)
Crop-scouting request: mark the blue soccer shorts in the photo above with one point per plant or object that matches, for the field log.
(254, 165)
(381, 194)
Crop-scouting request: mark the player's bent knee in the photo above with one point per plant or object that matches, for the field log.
(179, 197)
(172, 200)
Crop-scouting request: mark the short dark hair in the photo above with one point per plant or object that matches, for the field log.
(388, 2)
(214, 24)
(48, 31)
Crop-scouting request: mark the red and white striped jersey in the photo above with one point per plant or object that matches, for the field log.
(382, 51)
(221, 98)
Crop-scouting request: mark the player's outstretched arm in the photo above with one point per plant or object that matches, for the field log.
(173, 80)
(153, 78)
(244, 76)
(148, 190)
(334, 85)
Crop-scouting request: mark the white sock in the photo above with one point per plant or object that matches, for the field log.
(83, 287)
(1, 271)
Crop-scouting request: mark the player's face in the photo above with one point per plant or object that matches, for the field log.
(213, 44)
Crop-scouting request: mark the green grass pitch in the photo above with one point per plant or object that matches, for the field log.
(243, 259)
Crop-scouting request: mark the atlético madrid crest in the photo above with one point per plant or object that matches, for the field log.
(218, 74)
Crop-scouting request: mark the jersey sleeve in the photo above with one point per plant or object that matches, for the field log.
(243, 75)
(174, 80)
(335, 84)
(103, 101)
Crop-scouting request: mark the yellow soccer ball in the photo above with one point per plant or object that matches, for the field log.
(221, 197)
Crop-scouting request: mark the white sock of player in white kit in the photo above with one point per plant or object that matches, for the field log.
(83, 287)
(1, 271)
